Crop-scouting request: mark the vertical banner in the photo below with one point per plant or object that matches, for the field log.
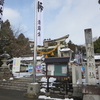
(78, 56)
(39, 22)
(1, 11)
(16, 65)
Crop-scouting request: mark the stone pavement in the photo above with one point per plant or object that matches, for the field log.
(6, 94)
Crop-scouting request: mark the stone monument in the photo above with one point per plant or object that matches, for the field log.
(92, 90)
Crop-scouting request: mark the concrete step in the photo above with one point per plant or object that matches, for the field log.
(21, 85)
(14, 88)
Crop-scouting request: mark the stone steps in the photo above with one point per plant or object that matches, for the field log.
(14, 88)
(20, 85)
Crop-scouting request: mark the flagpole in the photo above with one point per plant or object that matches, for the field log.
(35, 42)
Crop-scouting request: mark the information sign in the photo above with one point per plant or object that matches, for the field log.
(16, 65)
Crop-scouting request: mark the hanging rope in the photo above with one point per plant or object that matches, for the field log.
(51, 51)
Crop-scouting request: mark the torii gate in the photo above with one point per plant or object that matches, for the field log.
(58, 40)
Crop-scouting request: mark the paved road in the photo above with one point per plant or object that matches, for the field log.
(6, 94)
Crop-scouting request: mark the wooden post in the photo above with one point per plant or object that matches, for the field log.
(47, 84)
(59, 53)
(66, 87)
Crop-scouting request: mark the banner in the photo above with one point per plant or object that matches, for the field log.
(39, 22)
(78, 56)
(1, 11)
(16, 65)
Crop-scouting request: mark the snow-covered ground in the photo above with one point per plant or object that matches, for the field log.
(54, 98)
(20, 75)
(26, 74)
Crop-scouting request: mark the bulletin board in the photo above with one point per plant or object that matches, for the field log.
(57, 66)
(57, 69)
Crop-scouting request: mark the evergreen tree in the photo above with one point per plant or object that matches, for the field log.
(6, 36)
(14, 46)
(97, 46)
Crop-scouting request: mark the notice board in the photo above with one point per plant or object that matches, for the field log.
(57, 66)
(57, 69)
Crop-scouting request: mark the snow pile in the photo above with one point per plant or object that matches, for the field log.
(46, 98)
(50, 79)
(20, 75)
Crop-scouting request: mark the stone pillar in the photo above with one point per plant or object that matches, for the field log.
(91, 73)
(79, 74)
(73, 75)
(99, 73)
(59, 53)
(86, 78)
(77, 91)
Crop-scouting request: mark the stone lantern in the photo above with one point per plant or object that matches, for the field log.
(5, 72)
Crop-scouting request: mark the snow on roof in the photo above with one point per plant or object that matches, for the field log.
(31, 58)
(26, 58)
(39, 57)
(66, 49)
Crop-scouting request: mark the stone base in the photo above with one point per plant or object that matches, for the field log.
(77, 92)
(47, 93)
(33, 88)
(91, 97)
(66, 96)
(91, 89)
(30, 95)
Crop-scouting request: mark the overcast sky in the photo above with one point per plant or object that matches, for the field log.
(61, 17)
